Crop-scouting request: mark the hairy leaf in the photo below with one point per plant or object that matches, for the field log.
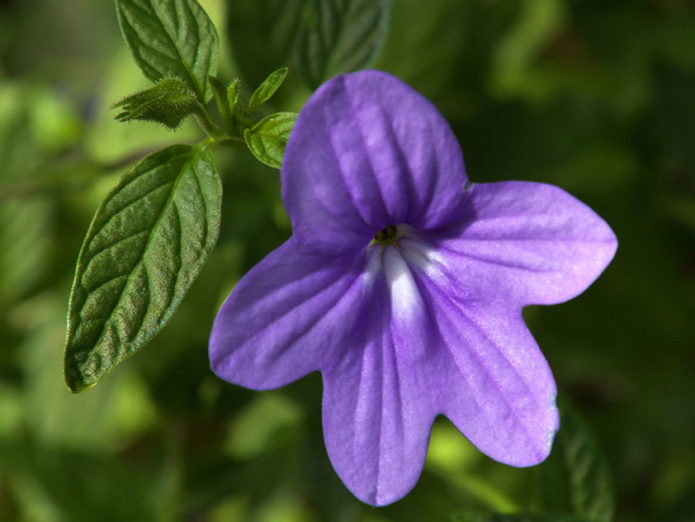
(228, 102)
(267, 139)
(233, 95)
(168, 102)
(171, 38)
(266, 89)
(257, 52)
(146, 244)
(219, 90)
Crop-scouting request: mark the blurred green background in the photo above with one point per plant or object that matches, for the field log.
(595, 96)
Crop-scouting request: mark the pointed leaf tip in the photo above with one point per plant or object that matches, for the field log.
(169, 101)
(266, 89)
(174, 38)
(146, 245)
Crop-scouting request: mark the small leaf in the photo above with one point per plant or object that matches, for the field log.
(146, 244)
(266, 89)
(233, 95)
(576, 476)
(341, 36)
(267, 139)
(171, 38)
(168, 102)
(220, 92)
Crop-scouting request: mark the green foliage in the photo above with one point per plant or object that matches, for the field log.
(234, 95)
(168, 102)
(227, 110)
(340, 36)
(576, 478)
(321, 38)
(171, 38)
(236, 119)
(145, 246)
(268, 138)
(154, 231)
(264, 91)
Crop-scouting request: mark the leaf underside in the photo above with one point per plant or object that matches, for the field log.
(171, 38)
(146, 244)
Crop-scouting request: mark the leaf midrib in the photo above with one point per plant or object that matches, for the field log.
(140, 259)
(181, 60)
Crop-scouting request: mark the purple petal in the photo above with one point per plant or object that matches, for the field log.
(377, 410)
(523, 243)
(368, 151)
(286, 316)
(493, 382)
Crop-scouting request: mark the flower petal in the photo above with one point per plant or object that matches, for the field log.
(286, 316)
(377, 410)
(368, 151)
(494, 383)
(523, 243)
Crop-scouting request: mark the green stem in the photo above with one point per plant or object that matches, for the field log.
(204, 119)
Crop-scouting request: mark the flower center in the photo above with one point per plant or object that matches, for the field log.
(387, 236)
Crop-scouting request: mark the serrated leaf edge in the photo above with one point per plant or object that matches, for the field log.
(173, 305)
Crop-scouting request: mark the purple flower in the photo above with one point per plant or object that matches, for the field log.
(403, 284)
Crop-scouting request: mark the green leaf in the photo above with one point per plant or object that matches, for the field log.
(321, 38)
(266, 89)
(257, 52)
(267, 139)
(146, 244)
(220, 92)
(171, 38)
(168, 102)
(517, 517)
(576, 476)
(228, 102)
(341, 36)
(233, 95)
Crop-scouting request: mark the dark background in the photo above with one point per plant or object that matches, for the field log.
(597, 97)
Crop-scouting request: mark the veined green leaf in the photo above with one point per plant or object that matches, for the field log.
(341, 36)
(228, 102)
(146, 244)
(169, 101)
(266, 89)
(171, 38)
(576, 477)
(267, 139)
(233, 95)
(321, 37)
